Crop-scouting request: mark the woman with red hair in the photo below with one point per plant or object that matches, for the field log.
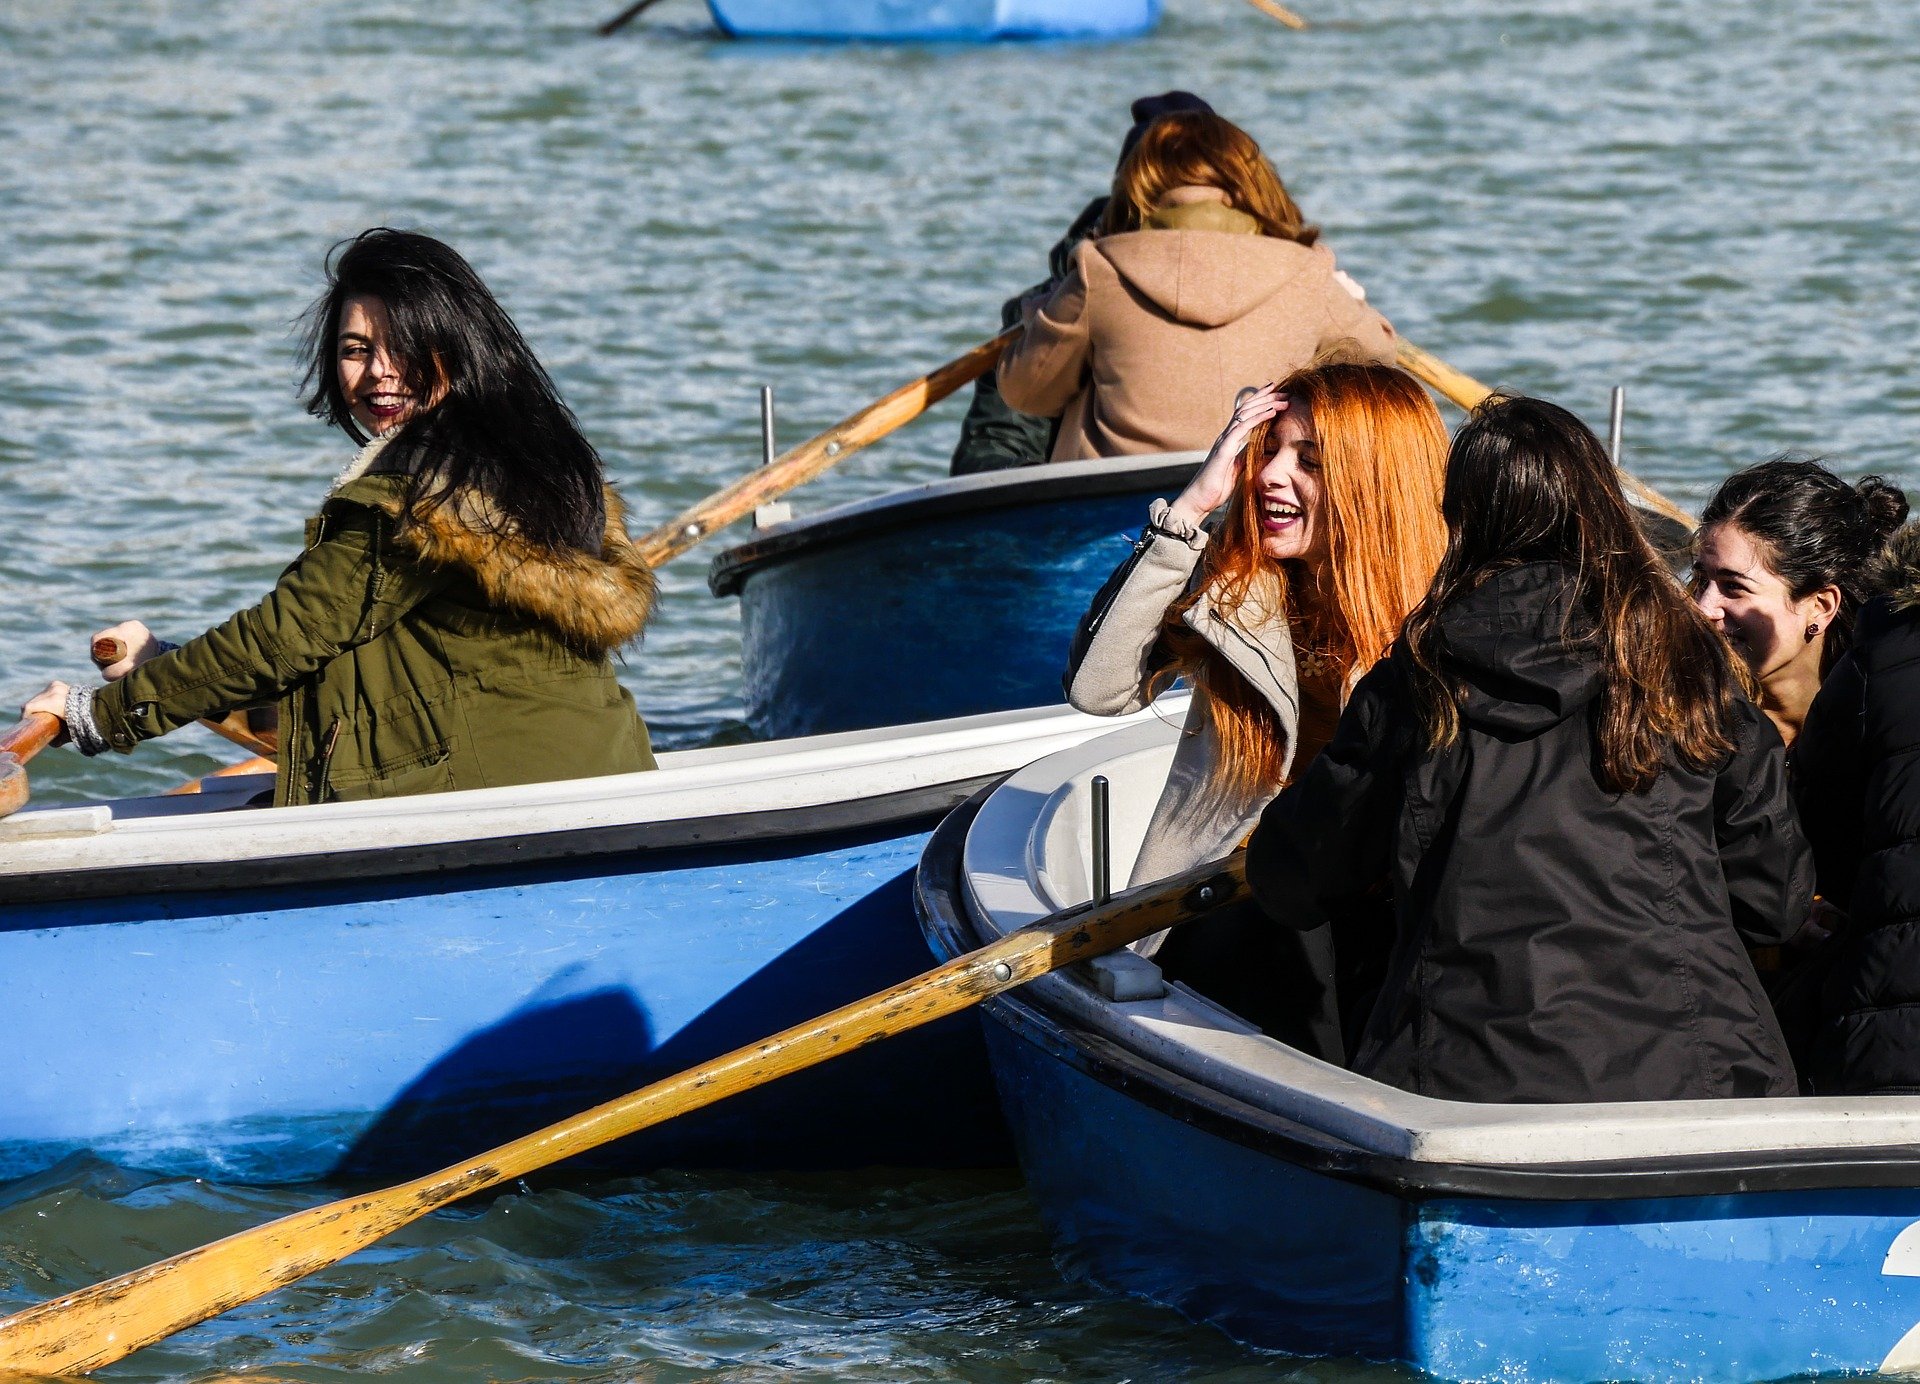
(1205, 277)
(1277, 578)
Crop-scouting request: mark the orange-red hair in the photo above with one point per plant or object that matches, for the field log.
(1383, 458)
(1199, 149)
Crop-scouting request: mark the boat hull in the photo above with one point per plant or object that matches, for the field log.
(372, 990)
(950, 599)
(940, 20)
(1289, 1237)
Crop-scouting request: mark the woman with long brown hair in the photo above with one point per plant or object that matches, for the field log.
(1205, 277)
(1270, 584)
(1562, 788)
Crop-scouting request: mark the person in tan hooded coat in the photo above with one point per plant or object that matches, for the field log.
(1206, 280)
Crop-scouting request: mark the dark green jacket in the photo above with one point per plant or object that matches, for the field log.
(416, 660)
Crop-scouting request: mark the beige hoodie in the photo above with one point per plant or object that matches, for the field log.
(1146, 342)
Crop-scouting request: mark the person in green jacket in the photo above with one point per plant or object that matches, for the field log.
(452, 619)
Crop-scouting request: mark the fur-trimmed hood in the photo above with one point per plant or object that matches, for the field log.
(596, 604)
(1896, 572)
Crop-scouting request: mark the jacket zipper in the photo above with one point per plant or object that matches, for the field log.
(326, 761)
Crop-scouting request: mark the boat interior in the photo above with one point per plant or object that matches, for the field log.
(1029, 853)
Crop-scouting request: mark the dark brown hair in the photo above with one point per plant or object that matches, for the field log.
(1528, 482)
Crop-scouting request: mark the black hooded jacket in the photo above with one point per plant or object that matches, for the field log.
(1857, 781)
(1552, 941)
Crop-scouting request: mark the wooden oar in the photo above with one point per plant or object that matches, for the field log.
(1467, 392)
(1279, 12)
(619, 21)
(810, 458)
(234, 726)
(95, 1326)
(259, 764)
(17, 746)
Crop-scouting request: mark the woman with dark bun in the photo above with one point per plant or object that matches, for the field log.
(1857, 785)
(451, 620)
(1780, 567)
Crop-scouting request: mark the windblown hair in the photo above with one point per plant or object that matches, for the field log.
(1813, 530)
(1199, 149)
(1528, 482)
(1383, 450)
(499, 428)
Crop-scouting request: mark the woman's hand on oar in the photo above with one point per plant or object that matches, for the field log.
(124, 647)
(810, 458)
(36, 731)
(95, 1326)
(1468, 392)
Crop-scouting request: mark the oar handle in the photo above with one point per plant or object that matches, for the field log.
(36, 731)
(812, 457)
(108, 650)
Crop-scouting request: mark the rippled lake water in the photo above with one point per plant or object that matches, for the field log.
(1711, 204)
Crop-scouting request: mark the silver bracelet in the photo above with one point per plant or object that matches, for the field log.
(80, 723)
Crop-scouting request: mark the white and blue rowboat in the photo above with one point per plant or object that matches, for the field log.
(945, 599)
(1179, 1154)
(372, 989)
(945, 20)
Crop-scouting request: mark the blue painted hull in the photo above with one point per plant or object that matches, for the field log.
(381, 1029)
(913, 612)
(1740, 1287)
(945, 20)
(1741, 1265)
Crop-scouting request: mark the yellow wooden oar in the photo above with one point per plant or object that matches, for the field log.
(95, 1326)
(1468, 392)
(812, 457)
(1279, 12)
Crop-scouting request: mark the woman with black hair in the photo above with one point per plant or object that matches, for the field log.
(451, 621)
(1780, 566)
(1558, 790)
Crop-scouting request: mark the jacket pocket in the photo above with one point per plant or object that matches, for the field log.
(429, 771)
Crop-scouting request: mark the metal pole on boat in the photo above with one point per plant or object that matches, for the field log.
(1617, 422)
(774, 511)
(1102, 844)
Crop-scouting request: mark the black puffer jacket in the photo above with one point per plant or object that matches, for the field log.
(1857, 780)
(1552, 941)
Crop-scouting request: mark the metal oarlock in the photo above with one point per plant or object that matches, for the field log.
(1617, 422)
(1102, 843)
(766, 425)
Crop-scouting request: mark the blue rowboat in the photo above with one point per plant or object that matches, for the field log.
(373, 989)
(1182, 1155)
(946, 599)
(908, 20)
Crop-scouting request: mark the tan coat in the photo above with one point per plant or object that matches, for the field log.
(1192, 822)
(1147, 341)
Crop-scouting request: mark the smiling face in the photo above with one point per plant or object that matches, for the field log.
(1290, 494)
(1753, 606)
(371, 377)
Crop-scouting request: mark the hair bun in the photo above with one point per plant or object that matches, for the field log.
(1883, 507)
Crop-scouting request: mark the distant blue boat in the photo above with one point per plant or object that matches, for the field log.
(950, 20)
(370, 990)
(1181, 1155)
(945, 599)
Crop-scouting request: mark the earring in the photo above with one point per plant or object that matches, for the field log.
(1813, 633)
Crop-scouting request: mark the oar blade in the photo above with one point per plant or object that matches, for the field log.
(93, 1327)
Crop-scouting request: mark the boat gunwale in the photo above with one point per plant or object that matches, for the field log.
(980, 492)
(941, 903)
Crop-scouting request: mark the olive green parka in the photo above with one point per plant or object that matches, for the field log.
(416, 658)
